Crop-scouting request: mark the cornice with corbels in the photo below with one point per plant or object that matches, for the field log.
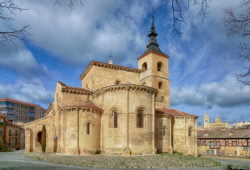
(82, 108)
(76, 91)
(124, 87)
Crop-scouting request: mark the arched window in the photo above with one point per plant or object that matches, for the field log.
(160, 85)
(159, 66)
(144, 66)
(139, 118)
(190, 131)
(88, 128)
(115, 119)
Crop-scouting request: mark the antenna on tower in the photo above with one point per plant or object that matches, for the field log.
(110, 57)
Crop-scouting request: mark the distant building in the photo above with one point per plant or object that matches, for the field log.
(216, 124)
(11, 135)
(240, 124)
(2, 130)
(20, 111)
(228, 142)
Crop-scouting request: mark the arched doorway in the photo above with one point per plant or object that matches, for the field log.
(41, 138)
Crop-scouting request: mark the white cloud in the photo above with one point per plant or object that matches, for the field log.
(226, 93)
(29, 90)
(88, 32)
(16, 58)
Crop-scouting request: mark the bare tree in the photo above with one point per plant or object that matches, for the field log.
(238, 23)
(179, 7)
(12, 34)
(70, 3)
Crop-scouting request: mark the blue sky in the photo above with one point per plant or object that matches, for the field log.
(202, 64)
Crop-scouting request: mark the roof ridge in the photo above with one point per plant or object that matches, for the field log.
(174, 112)
(110, 66)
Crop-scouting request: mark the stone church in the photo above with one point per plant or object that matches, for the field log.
(118, 110)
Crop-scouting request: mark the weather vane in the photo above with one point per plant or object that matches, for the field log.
(153, 11)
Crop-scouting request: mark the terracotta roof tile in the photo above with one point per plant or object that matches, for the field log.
(2, 115)
(224, 133)
(110, 66)
(173, 112)
(78, 88)
(65, 87)
(148, 52)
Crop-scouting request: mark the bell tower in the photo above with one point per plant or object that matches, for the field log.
(206, 120)
(154, 64)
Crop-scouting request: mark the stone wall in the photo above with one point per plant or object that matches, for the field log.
(70, 97)
(99, 77)
(163, 128)
(73, 126)
(185, 135)
(31, 134)
(127, 138)
(152, 76)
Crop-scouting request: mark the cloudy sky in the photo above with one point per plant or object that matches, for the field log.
(203, 60)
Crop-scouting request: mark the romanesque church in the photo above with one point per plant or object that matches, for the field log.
(118, 110)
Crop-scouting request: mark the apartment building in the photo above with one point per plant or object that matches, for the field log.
(19, 111)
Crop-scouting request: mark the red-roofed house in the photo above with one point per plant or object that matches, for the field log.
(11, 135)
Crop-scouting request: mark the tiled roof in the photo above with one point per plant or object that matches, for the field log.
(2, 115)
(110, 66)
(148, 52)
(9, 123)
(78, 88)
(173, 112)
(224, 133)
(17, 101)
(69, 88)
